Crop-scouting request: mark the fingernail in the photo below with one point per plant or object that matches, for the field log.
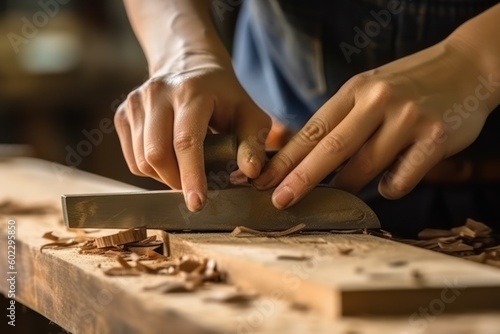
(194, 202)
(282, 197)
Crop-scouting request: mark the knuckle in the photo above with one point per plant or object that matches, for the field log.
(144, 167)
(439, 132)
(356, 81)
(134, 99)
(303, 178)
(411, 113)
(382, 92)
(154, 86)
(154, 156)
(283, 161)
(333, 144)
(184, 141)
(313, 132)
(120, 117)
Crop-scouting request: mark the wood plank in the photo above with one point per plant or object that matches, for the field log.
(69, 289)
(349, 274)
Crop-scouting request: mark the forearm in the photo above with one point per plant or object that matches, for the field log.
(479, 40)
(176, 34)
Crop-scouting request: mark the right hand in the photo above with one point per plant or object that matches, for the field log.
(163, 123)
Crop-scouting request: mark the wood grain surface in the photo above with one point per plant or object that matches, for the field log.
(302, 281)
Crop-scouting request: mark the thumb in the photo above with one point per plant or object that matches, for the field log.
(252, 129)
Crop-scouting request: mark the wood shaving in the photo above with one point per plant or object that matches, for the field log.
(9, 207)
(50, 236)
(121, 260)
(354, 231)
(231, 297)
(117, 271)
(134, 234)
(189, 265)
(172, 287)
(345, 251)
(60, 244)
(242, 231)
(293, 257)
(473, 241)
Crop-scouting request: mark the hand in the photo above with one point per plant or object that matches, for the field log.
(400, 119)
(163, 123)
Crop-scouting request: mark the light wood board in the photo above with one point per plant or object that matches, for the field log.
(72, 291)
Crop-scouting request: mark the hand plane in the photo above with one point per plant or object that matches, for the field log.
(323, 209)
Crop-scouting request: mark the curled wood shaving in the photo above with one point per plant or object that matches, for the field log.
(149, 253)
(9, 207)
(134, 234)
(148, 242)
(59, 244)
(239, 230)
(50, 236)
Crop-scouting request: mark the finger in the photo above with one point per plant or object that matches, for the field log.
(335, 148)
(324, 121)
(376, 155)
(124, 134)
(158, 147)
(190, 128)
(238, 178)
(136, 117)
(412, 166)
(252, 129)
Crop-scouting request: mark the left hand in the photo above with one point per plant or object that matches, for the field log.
(400, 119)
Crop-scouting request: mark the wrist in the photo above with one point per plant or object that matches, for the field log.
(481, 53)
(191, 59)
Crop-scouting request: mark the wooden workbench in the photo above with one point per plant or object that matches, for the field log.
(374, 276)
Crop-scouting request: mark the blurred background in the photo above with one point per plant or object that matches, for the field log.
(65, 66)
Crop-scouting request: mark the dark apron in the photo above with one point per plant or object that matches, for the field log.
(293, 55)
